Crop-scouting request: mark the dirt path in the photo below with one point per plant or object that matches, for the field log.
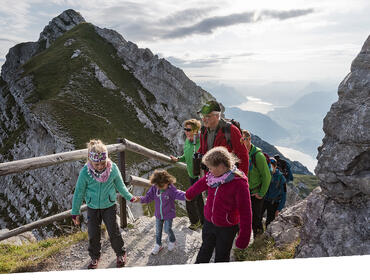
(139, 242)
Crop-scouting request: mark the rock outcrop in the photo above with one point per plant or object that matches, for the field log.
(162, 99)
(336, 222)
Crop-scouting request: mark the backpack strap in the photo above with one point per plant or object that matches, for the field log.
(252, 159)
(227, 132)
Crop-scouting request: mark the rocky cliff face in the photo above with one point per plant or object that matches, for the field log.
(77, 82)
(165, 97)
(336, 222)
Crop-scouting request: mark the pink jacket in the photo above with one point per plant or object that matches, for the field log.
(227, 205)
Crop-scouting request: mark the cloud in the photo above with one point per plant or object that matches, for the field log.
(209, 25)
(185, 16)
(282, 15)
(8, 40)
(196, 63)
(204, 62)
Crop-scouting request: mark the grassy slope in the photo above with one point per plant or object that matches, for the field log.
(29, 257)
(310, 181)
(86, 110)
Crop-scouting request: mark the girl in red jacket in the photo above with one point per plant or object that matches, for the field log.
(228, 207)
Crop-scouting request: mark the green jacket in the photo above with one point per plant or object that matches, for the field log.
(187, 157)
(98, 195)
(259, 178)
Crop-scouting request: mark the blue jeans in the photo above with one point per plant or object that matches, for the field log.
(167, 229)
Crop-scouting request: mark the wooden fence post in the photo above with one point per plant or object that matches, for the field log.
(121, 200)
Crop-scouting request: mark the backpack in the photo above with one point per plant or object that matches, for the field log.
(253, 160)
(284, 168)
(227, 130)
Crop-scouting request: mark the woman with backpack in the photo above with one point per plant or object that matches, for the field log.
(195, 207)
(274, 200)
(228, 207)
(259, 178)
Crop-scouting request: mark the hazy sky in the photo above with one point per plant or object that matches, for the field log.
(217, 40)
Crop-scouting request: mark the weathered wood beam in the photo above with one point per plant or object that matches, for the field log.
(44, 161)
(138, 181)
(136, 148)
(39, 223)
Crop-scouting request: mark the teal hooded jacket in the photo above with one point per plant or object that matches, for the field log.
(98, 195)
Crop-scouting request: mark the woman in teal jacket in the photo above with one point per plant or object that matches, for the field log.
(194, 208)
(274, 200)
(97, 184)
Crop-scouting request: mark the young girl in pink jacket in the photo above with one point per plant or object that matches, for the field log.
(228, 207)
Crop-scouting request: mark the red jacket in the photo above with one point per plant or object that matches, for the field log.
(227, 205)
(238, 148)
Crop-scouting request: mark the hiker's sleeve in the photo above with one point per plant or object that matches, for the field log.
(178, 194)
(121, 187)
(149, 196)
(79, 194)
(283, 192)
(243, 204)
(239, 149)
(199, 187)
(264, 172)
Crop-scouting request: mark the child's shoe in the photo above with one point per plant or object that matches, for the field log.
(157, 248)
(121, 260)
(171, 246)
(93, 264)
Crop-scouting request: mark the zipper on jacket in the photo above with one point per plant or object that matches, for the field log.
(213, 205)
(99, 194)
(160, 204)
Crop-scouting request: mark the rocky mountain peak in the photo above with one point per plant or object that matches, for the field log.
(59, 25)
(336, 219)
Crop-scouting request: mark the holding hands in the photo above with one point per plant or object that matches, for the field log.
(175, 159)
(135, 199)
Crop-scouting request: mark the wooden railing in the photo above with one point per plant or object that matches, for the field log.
(123, 145)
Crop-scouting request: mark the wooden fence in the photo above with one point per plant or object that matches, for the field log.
(123, 145)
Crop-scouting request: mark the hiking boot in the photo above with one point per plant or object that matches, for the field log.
(157, 248)
(121, 260)
(171, 246)
(93, 264)
(193, 227)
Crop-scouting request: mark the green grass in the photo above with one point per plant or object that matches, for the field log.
(263, 248)
(88, 110)
(29, 257)
(311, 182)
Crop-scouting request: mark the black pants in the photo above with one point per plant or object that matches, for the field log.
(271, 207)
(257, 205)
(219, 238)
(195, 207)
(94, 219)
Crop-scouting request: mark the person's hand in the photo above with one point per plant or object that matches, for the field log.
(256, 195)
(175, 159)
(136, 199)
(76, 219)
(277, 213)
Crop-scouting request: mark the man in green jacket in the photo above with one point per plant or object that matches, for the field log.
(259, 178)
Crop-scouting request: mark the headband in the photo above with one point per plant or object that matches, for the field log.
(97, 157)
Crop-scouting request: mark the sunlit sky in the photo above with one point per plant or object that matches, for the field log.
(227, 40)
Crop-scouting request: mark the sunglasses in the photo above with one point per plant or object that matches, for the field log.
(187, 129)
